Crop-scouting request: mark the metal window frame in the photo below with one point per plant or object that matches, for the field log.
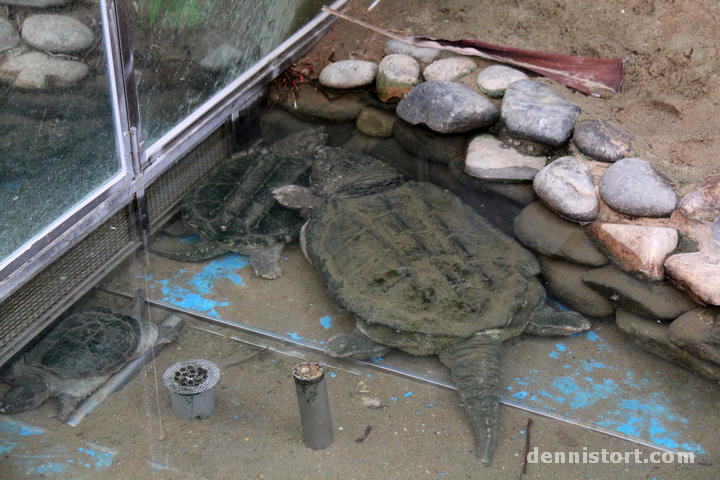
(139, 167)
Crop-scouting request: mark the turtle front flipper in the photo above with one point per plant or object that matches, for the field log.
(475, 366)
(265, 261)
(355, 345)
(186, 249)
(548, 320)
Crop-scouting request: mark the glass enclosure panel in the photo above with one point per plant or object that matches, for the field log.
(57, 135)
(185, 51)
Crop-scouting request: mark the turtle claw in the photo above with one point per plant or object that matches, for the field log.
(355, 345)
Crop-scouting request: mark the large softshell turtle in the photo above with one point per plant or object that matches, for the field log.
(79, 355)
(233, 209)
(423, 272)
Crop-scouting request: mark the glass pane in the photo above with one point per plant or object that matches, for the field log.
(188, 50)
(57, 137)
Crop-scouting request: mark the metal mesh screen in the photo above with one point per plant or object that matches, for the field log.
(60, 279)
(172, 185)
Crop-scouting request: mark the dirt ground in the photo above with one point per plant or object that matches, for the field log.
(670, 96)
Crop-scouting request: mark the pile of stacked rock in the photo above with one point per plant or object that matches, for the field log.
(613, 235)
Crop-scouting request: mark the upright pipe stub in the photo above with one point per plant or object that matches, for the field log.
(314, 406)
(191, 384)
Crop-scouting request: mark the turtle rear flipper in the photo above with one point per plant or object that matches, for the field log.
(355, 345)
(475, 366)
(66, 404)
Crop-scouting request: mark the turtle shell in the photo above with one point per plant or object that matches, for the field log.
(415, 258)
(95, 341)
(235, 204)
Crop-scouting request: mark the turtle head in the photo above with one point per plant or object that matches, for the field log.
(548, 320)
(21, 397)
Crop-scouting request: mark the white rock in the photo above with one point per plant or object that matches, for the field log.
(491, 159)
(348, 74)
(494, 79)
(449, 69)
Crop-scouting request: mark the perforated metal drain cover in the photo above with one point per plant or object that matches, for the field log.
(191, 377)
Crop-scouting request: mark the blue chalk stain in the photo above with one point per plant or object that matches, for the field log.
(7, 446)
(377, 359)
(50, 468)
(394, 399)
(554, 355)
(15, 428)
(592, 336)
(326, 322)
(561, 347)
(520, 395)
(590, 365)
(408, 394)
(294, 336)
(333, 375)
(188, 292)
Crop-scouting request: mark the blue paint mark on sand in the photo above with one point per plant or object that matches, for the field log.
(188, 293)
(520, 395)
(326, 322)
(294, 336)
(15, 428)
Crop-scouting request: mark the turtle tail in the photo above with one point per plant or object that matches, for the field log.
(475, 365)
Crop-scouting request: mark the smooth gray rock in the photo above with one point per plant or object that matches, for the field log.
(654, 300)
(428, 145)
(8, 36)
(564, 281)
(375, 122)
(489, 158)
(544, 232)
(632, 186)
(397, 75)
(533, 111)
(57, 33)
(447, 107)
(602, 141)
(426, 55)
(348, 74)
(568, 188)
(655, 337)
(698, 333)
(311, 105)
(37, 71)
(494, 80)
(449, 69)
(220, 58)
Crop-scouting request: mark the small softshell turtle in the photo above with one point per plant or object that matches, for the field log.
(423, 272)
(79, 355)
(233, 209)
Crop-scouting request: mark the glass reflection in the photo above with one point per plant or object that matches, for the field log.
(186, 51)
(57, 142)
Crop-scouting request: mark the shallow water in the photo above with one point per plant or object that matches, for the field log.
(572, 387)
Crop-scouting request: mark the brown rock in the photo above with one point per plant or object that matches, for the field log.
(655, 300)
(703, 203)
(543, 231)
(564, 281)
(655, 337)
(698, 274)
(636, 249)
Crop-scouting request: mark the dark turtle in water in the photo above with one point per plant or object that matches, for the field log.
(233, 209)
(423, 272)
(79, 355)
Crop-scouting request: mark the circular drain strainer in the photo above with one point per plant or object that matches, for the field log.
(191, 377)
